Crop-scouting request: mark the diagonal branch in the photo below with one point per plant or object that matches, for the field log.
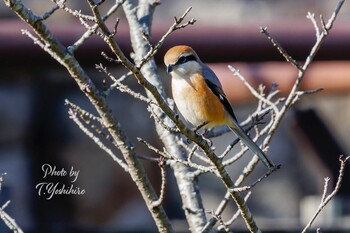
(8, 220)
(282, 51)
(73, 115)
(93, 28)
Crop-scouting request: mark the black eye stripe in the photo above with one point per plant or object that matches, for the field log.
(184, 59)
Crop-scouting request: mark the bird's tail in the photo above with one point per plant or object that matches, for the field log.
(236, 128)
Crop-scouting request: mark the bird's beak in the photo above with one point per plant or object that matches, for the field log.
(169, 68)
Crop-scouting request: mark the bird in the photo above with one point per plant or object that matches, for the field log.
(199, 97)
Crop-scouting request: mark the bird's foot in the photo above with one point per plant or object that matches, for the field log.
(196, 129)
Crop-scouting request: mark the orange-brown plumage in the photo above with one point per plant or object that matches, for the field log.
(200, 101)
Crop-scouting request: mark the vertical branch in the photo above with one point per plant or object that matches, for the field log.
(140, 20)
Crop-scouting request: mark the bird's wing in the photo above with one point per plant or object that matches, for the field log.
(217, 90)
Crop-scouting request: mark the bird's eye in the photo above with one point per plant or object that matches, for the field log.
(182, 60)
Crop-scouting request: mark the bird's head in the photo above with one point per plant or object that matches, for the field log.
(182, 60)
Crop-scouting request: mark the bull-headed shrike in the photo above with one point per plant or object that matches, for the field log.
(199, 97)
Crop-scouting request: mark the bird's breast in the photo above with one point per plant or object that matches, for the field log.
(196, 102)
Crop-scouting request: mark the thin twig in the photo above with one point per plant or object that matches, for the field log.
(35, 39)
(299, 94)
(170, 158)
(117, 83)
(121, 87)
(82, 112)
(93, 28)
(311, 17)
(73, 115)
(176, 26)
(161, 122)
(252, 90)
(2, 179)
(75, 13)
(226, 199)
(284, 53)
(220, 209)
(326, 198)
(267, 174)
(50, 12)
(325, 188)
(88, 119)
(236, 215)
(194, 152)
(162, 166)
(8, 220)
(218, 218)
(163, 153)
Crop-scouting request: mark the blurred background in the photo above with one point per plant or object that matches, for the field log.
(35, 128)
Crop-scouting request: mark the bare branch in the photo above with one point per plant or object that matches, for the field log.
(47, 14)
(2, 179)
(284, 53)
(170, 158)
(177, 25)
(218, 218)
(299, 94)
(117, 61)
(161, 164)
(164, 153)
(326, 198)
(121, 87)
(73, 116)
(334, 15)
(311, 17)
(82, 112)
(194, 152)
(220, 209)
(252, 90)
(267, 174)
(8, 220)
(93, 28)
(226, 199)
(161, 122)
(75, 13)
(235, 216)
(290, 100)
(325, 189)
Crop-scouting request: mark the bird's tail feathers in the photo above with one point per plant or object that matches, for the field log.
(236, 128)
